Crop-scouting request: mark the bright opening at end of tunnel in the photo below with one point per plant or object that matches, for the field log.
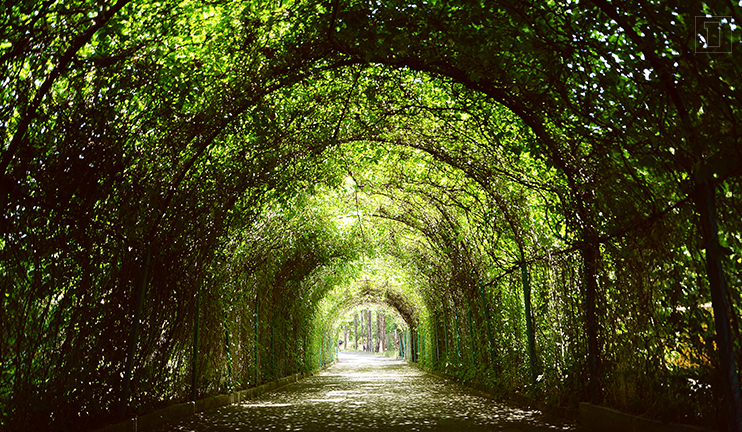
(374, 311)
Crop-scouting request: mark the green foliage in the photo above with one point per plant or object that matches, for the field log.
(296, 162)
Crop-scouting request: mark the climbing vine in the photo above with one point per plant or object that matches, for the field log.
(542, 199)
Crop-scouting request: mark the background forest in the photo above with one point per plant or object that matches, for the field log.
(543, 196)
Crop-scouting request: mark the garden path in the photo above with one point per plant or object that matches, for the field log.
(366, 392)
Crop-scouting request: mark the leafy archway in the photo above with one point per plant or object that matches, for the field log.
(186, 184)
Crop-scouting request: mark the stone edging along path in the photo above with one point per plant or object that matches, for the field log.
(590, 417)
(179, 411)
(603, 419)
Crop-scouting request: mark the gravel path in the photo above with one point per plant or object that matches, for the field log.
(366, 392)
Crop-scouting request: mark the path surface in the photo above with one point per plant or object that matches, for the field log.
(365, 392)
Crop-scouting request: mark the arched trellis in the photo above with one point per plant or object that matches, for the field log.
(88, 272)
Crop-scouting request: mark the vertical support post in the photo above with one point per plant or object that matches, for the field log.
(194, 360)
(124, 399)
(399, 341)
(425, 346)
(426, 351)
(413, 345)
(272, 370)
(437, 344)
(257, 339)
(306, 355)
(489, 327)
(471, 334)
(525, 277)
(706, 202)
(383, 331)
(229, 357)
(408, 344)
(406, 348)
(296, 350)
(286, 353)
(458, 342)
(417, 344)
(445, 333)
(590, 257)
(421, 335)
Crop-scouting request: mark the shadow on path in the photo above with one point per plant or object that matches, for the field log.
(366, 392)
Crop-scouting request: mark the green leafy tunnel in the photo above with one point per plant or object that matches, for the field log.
(195, 194)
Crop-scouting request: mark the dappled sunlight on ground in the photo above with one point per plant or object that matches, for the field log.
(368, 392)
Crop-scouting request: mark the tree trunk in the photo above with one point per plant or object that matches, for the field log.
(369, 330)
(383, 332)
(378, 331)
(364, 331)
(355, 334)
